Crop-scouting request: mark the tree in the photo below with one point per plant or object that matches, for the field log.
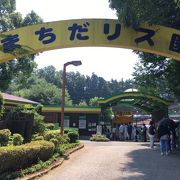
(133, 13)
(93, 101)
(106, 115)
(50, 74)
(76, 87)
(82, 103)
(22, 67)
(80, 89)
(154, 73)
(150, 76)
(41, 91)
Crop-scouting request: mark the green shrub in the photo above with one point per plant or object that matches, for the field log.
(4, 137)
(18, 157)
(40, 164)
(73, 136)
(98, 137)
(38, 138)
(51, 134)
(17, 139)
(49, 126)
(63, 139)
(55, 134)
(55, 142)
(67, 130)
(39, 127)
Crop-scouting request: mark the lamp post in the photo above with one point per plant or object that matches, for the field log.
(75, 63)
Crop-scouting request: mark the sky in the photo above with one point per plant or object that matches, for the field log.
(109, 63)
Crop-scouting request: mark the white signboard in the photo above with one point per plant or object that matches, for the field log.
(66, 123)
(82, 124)
(99, 129)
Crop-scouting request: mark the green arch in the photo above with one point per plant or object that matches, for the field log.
(89, 32)
(147, 102)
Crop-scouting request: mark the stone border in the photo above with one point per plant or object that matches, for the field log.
(52, 166)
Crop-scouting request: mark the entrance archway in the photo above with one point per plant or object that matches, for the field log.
(89, 32)
(154, 105)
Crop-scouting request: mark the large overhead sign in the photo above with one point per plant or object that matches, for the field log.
(88, 32)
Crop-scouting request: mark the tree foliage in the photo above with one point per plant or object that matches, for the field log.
(153, 73)
(133, 13)
(21, 67)
(39, 90)
(44, 86)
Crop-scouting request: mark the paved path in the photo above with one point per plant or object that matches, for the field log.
(117, 161)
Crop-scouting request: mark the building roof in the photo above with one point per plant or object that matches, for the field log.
(71, 109)
(11, 99)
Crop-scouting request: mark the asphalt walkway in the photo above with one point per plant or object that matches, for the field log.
(117, 161)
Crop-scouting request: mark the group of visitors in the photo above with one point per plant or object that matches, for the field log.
(128, 131)
(165, 131)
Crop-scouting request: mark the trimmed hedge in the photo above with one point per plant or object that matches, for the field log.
(19, 157)
(4, 137)
(17, 139)
(55, 134)
(73, 136)
(49, 126)
(99, 137)
(51, 134)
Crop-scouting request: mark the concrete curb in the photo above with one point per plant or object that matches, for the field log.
(54, 165)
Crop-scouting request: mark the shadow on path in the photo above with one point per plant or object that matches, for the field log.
(147, 164)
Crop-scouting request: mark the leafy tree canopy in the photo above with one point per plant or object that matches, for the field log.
(21, 67)
(44, 86)
(153, 73)
(39, 90)
(133, 12)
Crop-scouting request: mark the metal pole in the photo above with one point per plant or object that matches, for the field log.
(75, 63)
(63, 99)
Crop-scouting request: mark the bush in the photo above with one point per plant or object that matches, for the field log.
(98, 137)
(25, 155)
(17, 139)
(39, 127)
(73, 136)
(55, 142)
(49, 126)
(40, 164)
(38, 138)
(51, 134)
(67, 130)
(4, 137)
(64, 139)
(55, 134)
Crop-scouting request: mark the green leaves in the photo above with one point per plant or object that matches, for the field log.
(21, 67)
(153, 74)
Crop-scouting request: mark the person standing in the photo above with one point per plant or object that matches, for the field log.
(163, 135)
(165, 129)
(144, 132)
(114, 133)
(129, 129)
(151, 134)
(136, 132)
(125, 132)
(121, 132)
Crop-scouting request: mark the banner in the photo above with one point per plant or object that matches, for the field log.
(89, 32)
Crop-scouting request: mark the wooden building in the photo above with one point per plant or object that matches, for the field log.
(84, 118)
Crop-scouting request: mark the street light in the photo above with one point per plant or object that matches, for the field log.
(75, 63)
